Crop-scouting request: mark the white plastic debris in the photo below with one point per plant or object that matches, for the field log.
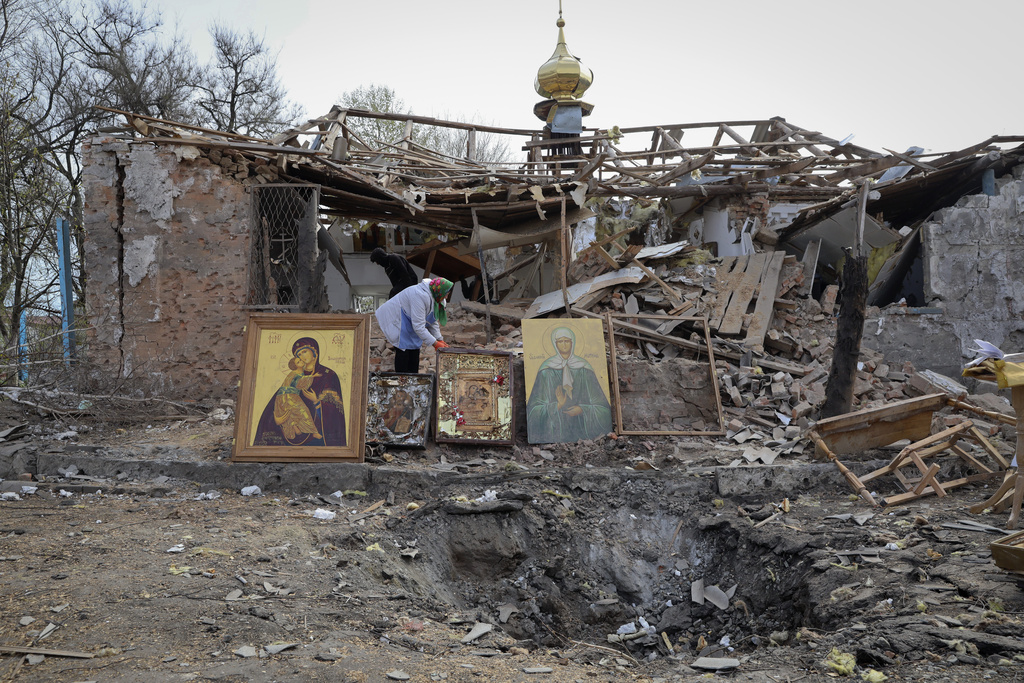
(668, 603)
(643, 624)
(9, 495)
(28, 490)
(626, 629)
(338, 494)
(323, 514)
(251, 491)
(209, 495)
(66, 494)
(724, 641)
(891, 546)
(180, 548)
(219, 414)
(488, 497)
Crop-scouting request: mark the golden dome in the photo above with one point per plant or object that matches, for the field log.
(562, 77)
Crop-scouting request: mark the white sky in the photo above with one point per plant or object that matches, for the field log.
(940, 74)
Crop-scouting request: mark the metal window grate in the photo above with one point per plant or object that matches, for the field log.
(283, 244)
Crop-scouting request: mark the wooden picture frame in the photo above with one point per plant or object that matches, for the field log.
(610, 320)
(302, 394)
(400, 409)
(566, 379)
(474, 397)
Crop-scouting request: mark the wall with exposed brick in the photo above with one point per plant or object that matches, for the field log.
(166, 256)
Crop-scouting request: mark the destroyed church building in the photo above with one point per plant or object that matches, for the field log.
(190, 230)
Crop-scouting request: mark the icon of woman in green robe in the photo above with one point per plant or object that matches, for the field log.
(567, 402)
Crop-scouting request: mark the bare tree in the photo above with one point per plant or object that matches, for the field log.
(452, 142)
(131, 65)
(32, 193)
(57, 61)
(377, 98)
(240, 91)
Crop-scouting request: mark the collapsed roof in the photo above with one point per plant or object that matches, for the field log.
(402, 183)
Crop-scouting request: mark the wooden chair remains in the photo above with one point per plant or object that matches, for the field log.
(1010, 493)
(914, 465)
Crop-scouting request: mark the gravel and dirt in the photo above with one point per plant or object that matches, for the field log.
(463, 564)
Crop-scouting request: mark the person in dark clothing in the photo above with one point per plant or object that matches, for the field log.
(483, 292)
(397, 268)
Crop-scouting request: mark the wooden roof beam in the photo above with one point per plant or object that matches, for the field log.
(742, 141)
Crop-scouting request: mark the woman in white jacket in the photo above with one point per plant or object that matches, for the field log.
(413, 318)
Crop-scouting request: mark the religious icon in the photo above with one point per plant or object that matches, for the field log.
(399, 409)
(302, 389)
(567, 380)
(474, 397)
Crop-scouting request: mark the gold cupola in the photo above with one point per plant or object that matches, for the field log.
(562, 79)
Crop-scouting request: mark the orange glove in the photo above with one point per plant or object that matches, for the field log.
(440, 344)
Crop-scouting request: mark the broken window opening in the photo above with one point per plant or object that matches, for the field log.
(368, 299)
(283, 266)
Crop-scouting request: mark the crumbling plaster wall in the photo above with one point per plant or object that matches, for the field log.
(166, 260)
(974, 272)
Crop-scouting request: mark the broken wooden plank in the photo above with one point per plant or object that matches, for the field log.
(503, 312)
(25, 650)
(765, 306)
(970, 459)
(852, 479)
(742, 293)
(670, 291)
(989, 448)
(729, 273)
(902, 498)
(684, 168)
(911, 452)
(769, 364)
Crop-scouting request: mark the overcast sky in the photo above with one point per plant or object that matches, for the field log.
(940, 74)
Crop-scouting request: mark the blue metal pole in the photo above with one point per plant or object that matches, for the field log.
(67, 304)
(23, 346)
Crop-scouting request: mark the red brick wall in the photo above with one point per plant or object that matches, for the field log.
(166, 261)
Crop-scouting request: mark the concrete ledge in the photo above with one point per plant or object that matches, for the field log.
(306, 478)
(376, 480)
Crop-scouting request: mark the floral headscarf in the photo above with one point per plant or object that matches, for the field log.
(439, 288)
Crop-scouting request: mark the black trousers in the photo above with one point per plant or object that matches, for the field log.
(407, 361)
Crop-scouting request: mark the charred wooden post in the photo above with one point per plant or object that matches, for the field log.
(850, 327)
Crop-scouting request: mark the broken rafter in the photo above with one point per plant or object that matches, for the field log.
(129, 116)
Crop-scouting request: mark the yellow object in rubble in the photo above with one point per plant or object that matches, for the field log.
(1007, 374)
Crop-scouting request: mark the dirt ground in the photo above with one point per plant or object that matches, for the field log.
(539, 555)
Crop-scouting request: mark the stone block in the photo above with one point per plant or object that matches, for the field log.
(828, 299)
(802, 409)
(992, 402)
(930, 382)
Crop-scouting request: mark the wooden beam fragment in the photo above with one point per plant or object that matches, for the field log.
(796, 370)
(764, 308)
(25, 650)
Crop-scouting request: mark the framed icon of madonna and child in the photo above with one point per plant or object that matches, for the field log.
(302, 395)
